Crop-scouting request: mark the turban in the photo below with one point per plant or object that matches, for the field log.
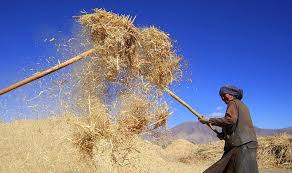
(232, 90)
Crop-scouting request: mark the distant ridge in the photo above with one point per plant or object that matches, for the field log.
(196, 132)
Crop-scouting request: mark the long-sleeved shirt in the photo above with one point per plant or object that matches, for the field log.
(230, 117)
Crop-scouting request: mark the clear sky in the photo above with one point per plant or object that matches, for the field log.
(245, 43)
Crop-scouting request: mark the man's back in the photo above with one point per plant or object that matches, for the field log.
(243, 129)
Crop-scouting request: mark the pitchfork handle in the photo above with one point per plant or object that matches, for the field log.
(48, 71)
(188, 107)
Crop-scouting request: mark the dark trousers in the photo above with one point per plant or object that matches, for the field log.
(241, 159)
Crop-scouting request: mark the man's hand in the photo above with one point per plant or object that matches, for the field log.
(204, 120)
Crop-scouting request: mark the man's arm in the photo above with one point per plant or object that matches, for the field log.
(229, 118)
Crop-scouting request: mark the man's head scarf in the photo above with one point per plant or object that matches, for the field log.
(232, 90)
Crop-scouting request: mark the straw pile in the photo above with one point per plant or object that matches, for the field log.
(194, 154)
(40, 146)
(46, 146)
(179, 149)
(275, 151)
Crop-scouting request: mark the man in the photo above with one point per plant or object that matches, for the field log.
(239, 135)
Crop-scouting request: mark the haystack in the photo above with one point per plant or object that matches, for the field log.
(179, 149)
(275, 151)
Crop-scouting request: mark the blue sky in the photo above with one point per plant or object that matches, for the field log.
(244, 43)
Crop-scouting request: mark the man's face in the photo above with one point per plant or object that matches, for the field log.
(226, 98)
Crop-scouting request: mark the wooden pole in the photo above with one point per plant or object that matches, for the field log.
(82, 56)
(187, 106)
(48, 71)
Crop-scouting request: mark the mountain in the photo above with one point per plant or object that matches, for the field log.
(199, 133)
(193, 131)
(269, 132)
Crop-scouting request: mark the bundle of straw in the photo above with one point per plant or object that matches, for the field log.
(125, 51)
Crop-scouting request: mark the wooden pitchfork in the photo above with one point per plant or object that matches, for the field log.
(82, 56)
